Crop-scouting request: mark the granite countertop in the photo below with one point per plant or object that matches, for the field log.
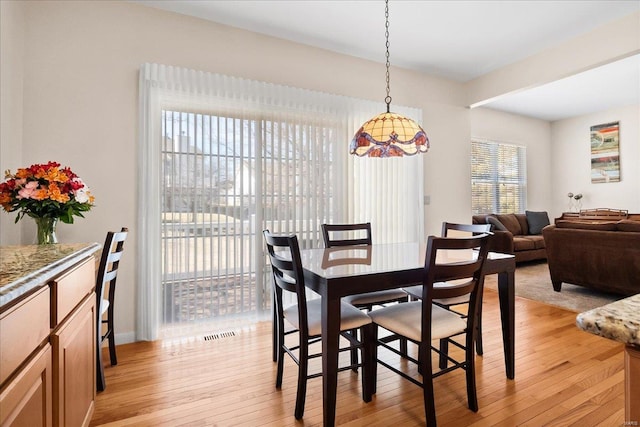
(25, 267)
(619, 321)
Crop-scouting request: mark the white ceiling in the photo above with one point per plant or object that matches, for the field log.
(455, 39)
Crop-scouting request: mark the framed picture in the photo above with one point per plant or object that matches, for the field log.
(605, 152)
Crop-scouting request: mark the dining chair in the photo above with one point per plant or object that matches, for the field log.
(422, 321)
(463, 300)
(304, 317)
(337, 235)
(359, 234)
(106, 278)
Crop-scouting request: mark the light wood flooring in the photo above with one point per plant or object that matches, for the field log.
(564, 377)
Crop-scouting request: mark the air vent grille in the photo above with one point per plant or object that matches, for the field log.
(219, 335)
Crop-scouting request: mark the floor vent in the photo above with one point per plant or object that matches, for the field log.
(219, 335)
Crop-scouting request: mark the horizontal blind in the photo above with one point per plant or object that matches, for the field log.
(498, 177)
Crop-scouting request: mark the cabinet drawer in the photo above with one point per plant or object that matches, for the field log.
(24, 327)
(70, 289)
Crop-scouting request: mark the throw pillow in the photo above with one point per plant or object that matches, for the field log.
(511, 223)
(537, 221)
(497, 225)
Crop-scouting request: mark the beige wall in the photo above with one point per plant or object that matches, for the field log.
(80, 104)
(11, 60)
(532, 133)
(571, 162)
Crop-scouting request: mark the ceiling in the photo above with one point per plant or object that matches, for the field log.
(458, 40)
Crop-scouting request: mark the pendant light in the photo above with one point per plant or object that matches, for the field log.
(389, 134)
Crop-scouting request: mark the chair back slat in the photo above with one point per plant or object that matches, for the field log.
(360, 234)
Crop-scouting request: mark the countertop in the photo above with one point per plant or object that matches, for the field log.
(26, 267)
(619, 321)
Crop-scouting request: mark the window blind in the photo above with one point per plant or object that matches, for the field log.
(223, 158)
(498, 177)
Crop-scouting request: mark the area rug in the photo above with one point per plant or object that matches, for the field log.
(533, 282)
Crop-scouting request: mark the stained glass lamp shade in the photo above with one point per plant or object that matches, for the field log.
(389, 135)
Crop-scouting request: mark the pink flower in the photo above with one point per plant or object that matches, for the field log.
(27, 191)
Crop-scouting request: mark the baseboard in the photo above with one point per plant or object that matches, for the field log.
(125, 338)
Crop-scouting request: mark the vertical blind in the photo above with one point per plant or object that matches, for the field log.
(223, 158)
(498, 177)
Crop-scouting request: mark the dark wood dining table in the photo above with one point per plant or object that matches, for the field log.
(334, 273)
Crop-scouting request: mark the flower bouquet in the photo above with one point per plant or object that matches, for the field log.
(46, 193)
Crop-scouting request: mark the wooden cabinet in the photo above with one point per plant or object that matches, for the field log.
(74, 366)
(47, 351)
(26, 399)
(25, 362)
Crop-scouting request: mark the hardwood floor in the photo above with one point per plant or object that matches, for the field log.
(564, 377)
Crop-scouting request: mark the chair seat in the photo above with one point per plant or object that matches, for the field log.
(405, 319)
(350, 317)
(377, 297)
(416, 292)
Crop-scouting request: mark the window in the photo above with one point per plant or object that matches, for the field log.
(223, 179)
(221, 159)
(498, 177)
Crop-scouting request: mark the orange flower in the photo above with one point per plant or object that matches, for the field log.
(40, 194)
(23, 173)
(55, 175)
(56, 194)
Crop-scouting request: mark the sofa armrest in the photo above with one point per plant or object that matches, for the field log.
(501, 241)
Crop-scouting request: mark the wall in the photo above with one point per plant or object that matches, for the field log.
(80, 105)
(571, 162)
(11, 58)
(532, 133)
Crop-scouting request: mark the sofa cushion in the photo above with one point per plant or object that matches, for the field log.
(522, 220)
(628, 225)
(588, 225)
(537, 221)
(497, 225)
(511, 223)
(537, 239)
(523, 244)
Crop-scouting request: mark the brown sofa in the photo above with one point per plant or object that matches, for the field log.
(598, 254)
(512, 234)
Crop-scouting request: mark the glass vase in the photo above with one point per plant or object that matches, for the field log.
(47, 230)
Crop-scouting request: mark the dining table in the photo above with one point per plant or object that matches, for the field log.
(334, 273)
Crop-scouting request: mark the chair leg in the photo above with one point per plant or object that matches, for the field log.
(479, 349)
(303, 368)
(100, 382)
(274, 335)
(278, 342)
(354, 351)
(444, 350)
(112, 348)
(472, 397)
(427, 383)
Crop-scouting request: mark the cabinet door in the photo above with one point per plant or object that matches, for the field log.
(74, 367)
(26, 400)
